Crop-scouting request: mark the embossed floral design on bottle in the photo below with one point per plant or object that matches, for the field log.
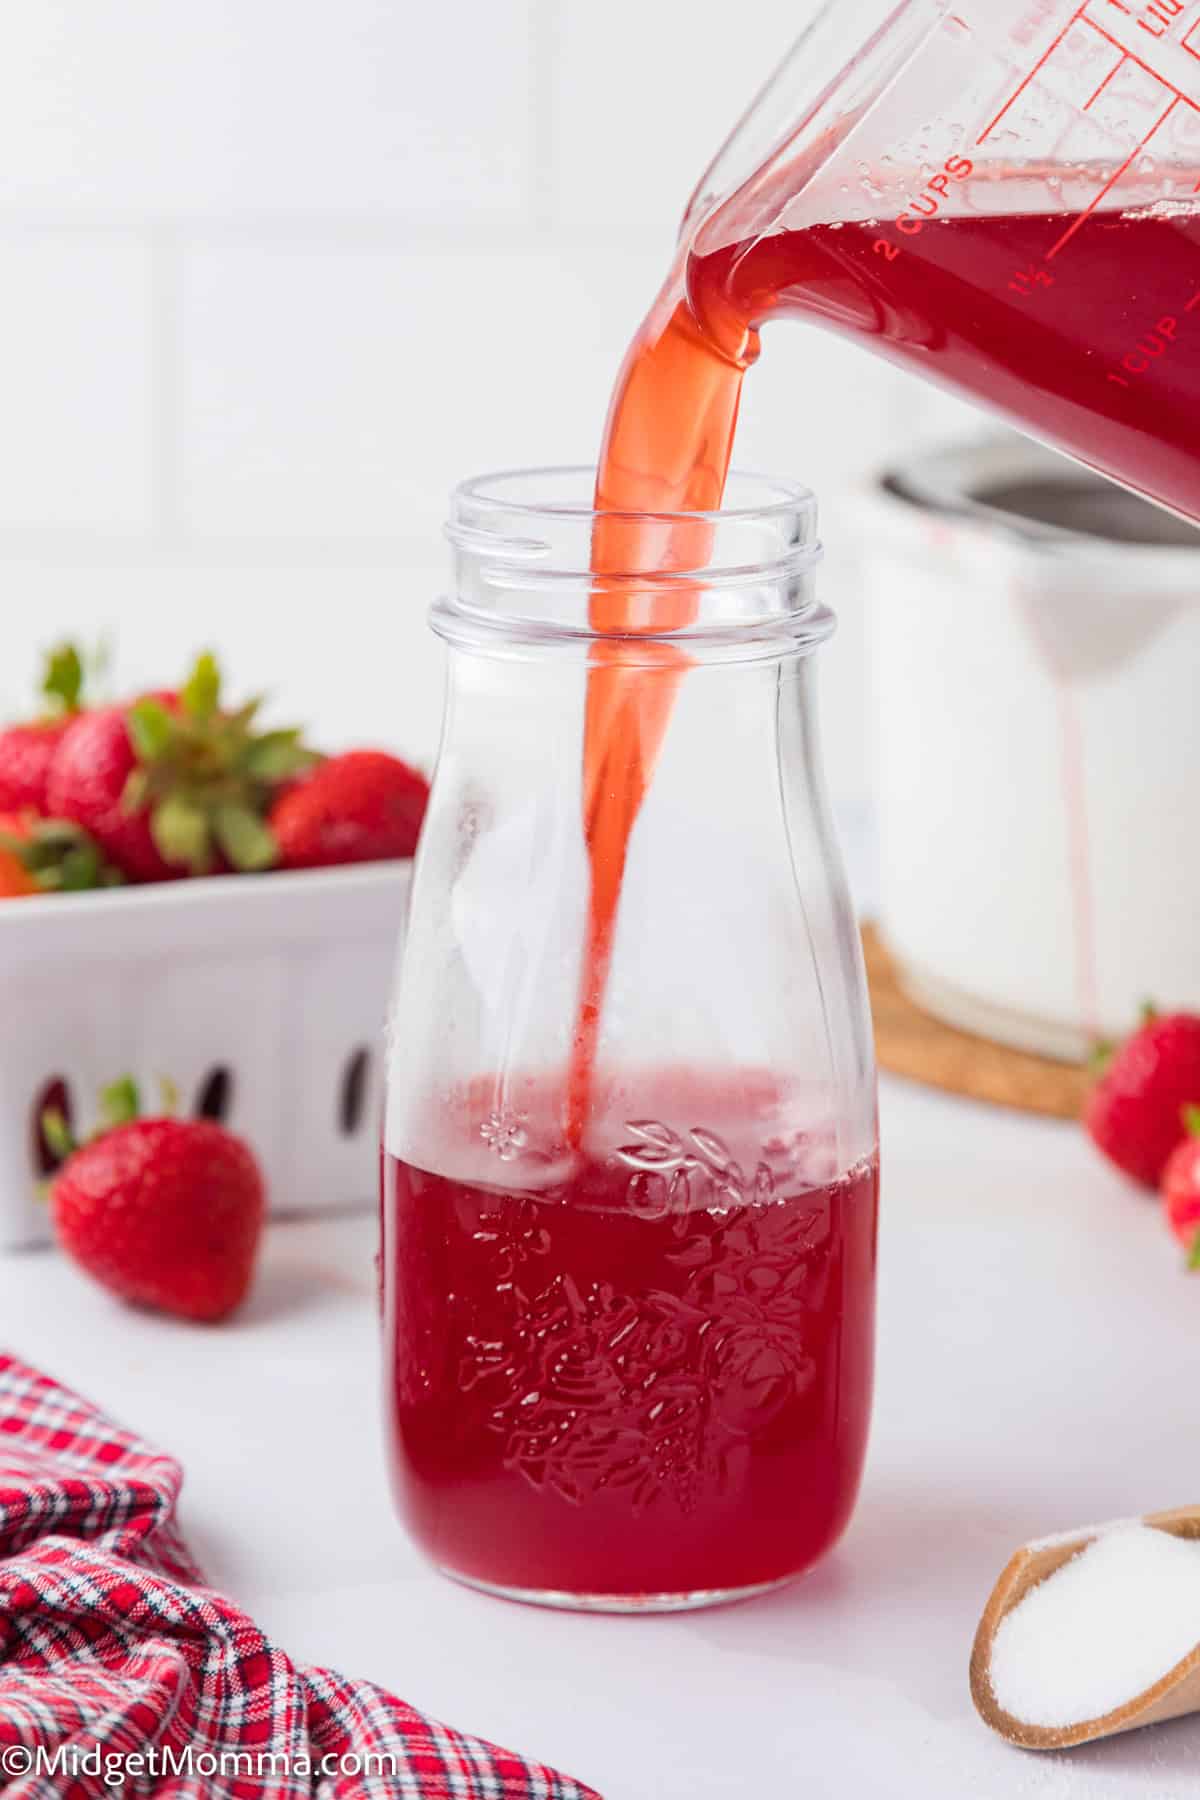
(652, 1394)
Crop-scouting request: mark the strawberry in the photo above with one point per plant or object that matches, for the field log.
(1135, 1110)
(27, 751)
(1181, 1187)
(48, 856)
(174, 785)
(89, 778)
(167, 1213)
(26, 754)
(363, 806)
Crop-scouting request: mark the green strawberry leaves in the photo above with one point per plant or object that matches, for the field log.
(62, 680)
(60, 1139)
(248, 843)
(277, 756)
(70, 678)
(150, 729)
(120, 1103)
(180, 830)
(61, 857)
(208, 776)
(201, 691)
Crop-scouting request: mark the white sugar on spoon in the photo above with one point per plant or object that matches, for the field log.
(1093, 1633)
(1103, 1628)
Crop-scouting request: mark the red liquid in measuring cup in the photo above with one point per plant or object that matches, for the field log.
(1030, 313)
(635, 1379)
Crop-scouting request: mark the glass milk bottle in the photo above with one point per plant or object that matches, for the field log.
(630, 1167)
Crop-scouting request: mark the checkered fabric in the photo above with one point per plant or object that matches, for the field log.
(111, 1644)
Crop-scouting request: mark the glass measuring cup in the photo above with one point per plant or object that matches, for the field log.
(1002, 194)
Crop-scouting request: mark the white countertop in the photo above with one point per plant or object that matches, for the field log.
(1037, 1370)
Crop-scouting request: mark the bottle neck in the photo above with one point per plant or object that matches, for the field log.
(678, 588)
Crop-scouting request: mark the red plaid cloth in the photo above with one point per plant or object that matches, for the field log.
(112, 1648)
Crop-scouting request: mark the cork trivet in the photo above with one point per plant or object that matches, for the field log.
(911, 1042)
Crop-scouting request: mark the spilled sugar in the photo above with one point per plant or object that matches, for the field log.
(1100, 1630)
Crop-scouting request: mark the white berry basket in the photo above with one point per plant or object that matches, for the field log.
(261, 998)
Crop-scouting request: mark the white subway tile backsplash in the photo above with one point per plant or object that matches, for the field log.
(342, 393)
(644, 95)
(236, 108)
(76, 424)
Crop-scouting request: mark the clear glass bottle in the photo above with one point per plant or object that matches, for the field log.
(629, 1358)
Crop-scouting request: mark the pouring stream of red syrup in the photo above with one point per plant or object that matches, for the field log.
(1101, 359)
(666, 449)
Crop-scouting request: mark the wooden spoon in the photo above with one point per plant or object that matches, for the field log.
(1177, 1692)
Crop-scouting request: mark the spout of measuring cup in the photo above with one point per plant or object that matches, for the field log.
(761, 130)
(809, 105)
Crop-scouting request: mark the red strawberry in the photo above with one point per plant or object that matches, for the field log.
(1181, 1187)
(1135, 1112)
(172, 784)
(27, 751)
(167, 1213)
(87, 783)
(48, 856)
(363, 806)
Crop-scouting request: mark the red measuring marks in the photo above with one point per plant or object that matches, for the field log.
(1082, 218)
(1139, 41)
(1032, 76)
